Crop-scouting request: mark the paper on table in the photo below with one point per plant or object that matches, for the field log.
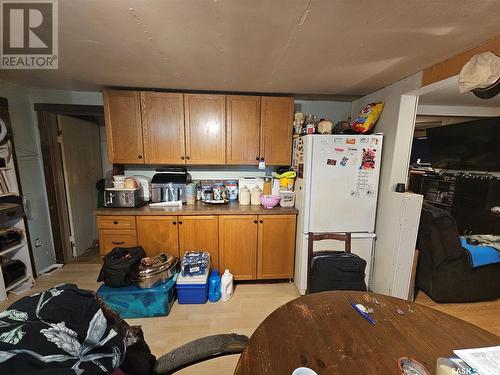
(486, 361)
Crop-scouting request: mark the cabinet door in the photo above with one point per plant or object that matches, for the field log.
(238, 245)
(158, 234)
(243, 129)
(163, 127)
(276, 246)
(200, 233)
(205, 128)
(122, 110)
(110, 238)
(276, 130)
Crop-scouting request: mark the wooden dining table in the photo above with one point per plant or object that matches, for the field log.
(326, 334)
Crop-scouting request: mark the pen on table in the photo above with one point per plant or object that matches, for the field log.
(365, 315)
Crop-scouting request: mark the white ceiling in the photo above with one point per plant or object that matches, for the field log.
(337, 47)
(450, 96)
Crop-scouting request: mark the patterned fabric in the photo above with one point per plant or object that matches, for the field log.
(59, 331)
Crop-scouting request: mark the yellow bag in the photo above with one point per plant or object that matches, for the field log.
(369, 115)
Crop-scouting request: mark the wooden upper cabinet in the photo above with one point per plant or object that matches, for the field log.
(158, 234)
(238, 245)
(243, 129)
(163, 127)
(200, 233)
(276, 248)
(276, 129)
(122, 110)
(205, 128)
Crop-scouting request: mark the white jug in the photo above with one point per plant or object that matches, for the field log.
(226, 286)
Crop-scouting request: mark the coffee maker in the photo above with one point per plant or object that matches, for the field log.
(169, 185)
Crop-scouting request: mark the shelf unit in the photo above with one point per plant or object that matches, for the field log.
(20, 251)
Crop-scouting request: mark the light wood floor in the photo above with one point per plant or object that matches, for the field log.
(242, 314)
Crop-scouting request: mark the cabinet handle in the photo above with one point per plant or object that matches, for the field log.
(174, 222)
(180, 222)
(257, 158)
(182, 157)
(139, 156)
(188, 157)
(255, 221)
(118, 242)
(261, 221)
(115, 222)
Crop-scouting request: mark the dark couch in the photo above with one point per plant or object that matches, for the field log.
(444, 272)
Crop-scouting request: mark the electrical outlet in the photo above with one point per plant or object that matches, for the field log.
(38, 242)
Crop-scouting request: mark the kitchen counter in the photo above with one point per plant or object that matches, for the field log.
(199, 209)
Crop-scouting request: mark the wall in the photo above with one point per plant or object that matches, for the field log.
(334, 111)
(27, 141)
(30, 172)
(396, 123)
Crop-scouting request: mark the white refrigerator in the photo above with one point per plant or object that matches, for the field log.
(336, 191)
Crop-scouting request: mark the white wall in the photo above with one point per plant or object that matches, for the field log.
(332, 110)
(396, 123)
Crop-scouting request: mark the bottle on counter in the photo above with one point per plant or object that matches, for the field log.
(267, 188)
(244, 196)
(226, 286)
(256, 193)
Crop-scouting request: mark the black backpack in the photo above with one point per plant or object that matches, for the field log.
(119, 266)
(334, 270)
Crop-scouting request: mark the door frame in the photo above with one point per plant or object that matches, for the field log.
(53, 169)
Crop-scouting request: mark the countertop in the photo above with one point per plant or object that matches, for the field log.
(199, 209)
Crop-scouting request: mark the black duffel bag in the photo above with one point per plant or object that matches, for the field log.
(334, 270)
(119, 265)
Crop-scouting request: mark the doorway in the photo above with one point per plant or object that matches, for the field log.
(70, 140)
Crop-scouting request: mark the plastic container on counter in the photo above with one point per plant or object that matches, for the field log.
(232, 190)
(192, 289)
(134, 302)
(191, 193)
(207, 194)
(287, 198)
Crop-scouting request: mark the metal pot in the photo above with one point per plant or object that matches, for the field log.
(154, 271)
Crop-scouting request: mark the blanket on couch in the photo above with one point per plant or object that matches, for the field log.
(60, 331)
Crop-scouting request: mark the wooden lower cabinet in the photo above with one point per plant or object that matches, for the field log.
(200, 233)
(238, 245)
(250, 246)
(110, 238)
(276, 246)
(157, 234)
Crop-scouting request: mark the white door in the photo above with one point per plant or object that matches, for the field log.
(81, 154)
(344, 183)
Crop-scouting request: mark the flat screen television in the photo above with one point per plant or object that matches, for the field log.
(420, 151)
(472, 145)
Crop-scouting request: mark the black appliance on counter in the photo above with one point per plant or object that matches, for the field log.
(169, 185)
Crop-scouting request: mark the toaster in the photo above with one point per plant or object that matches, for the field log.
(119, 197)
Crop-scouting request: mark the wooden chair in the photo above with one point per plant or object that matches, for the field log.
(313, 237)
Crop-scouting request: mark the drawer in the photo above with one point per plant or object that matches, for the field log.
(110, 238)
(115, 222)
